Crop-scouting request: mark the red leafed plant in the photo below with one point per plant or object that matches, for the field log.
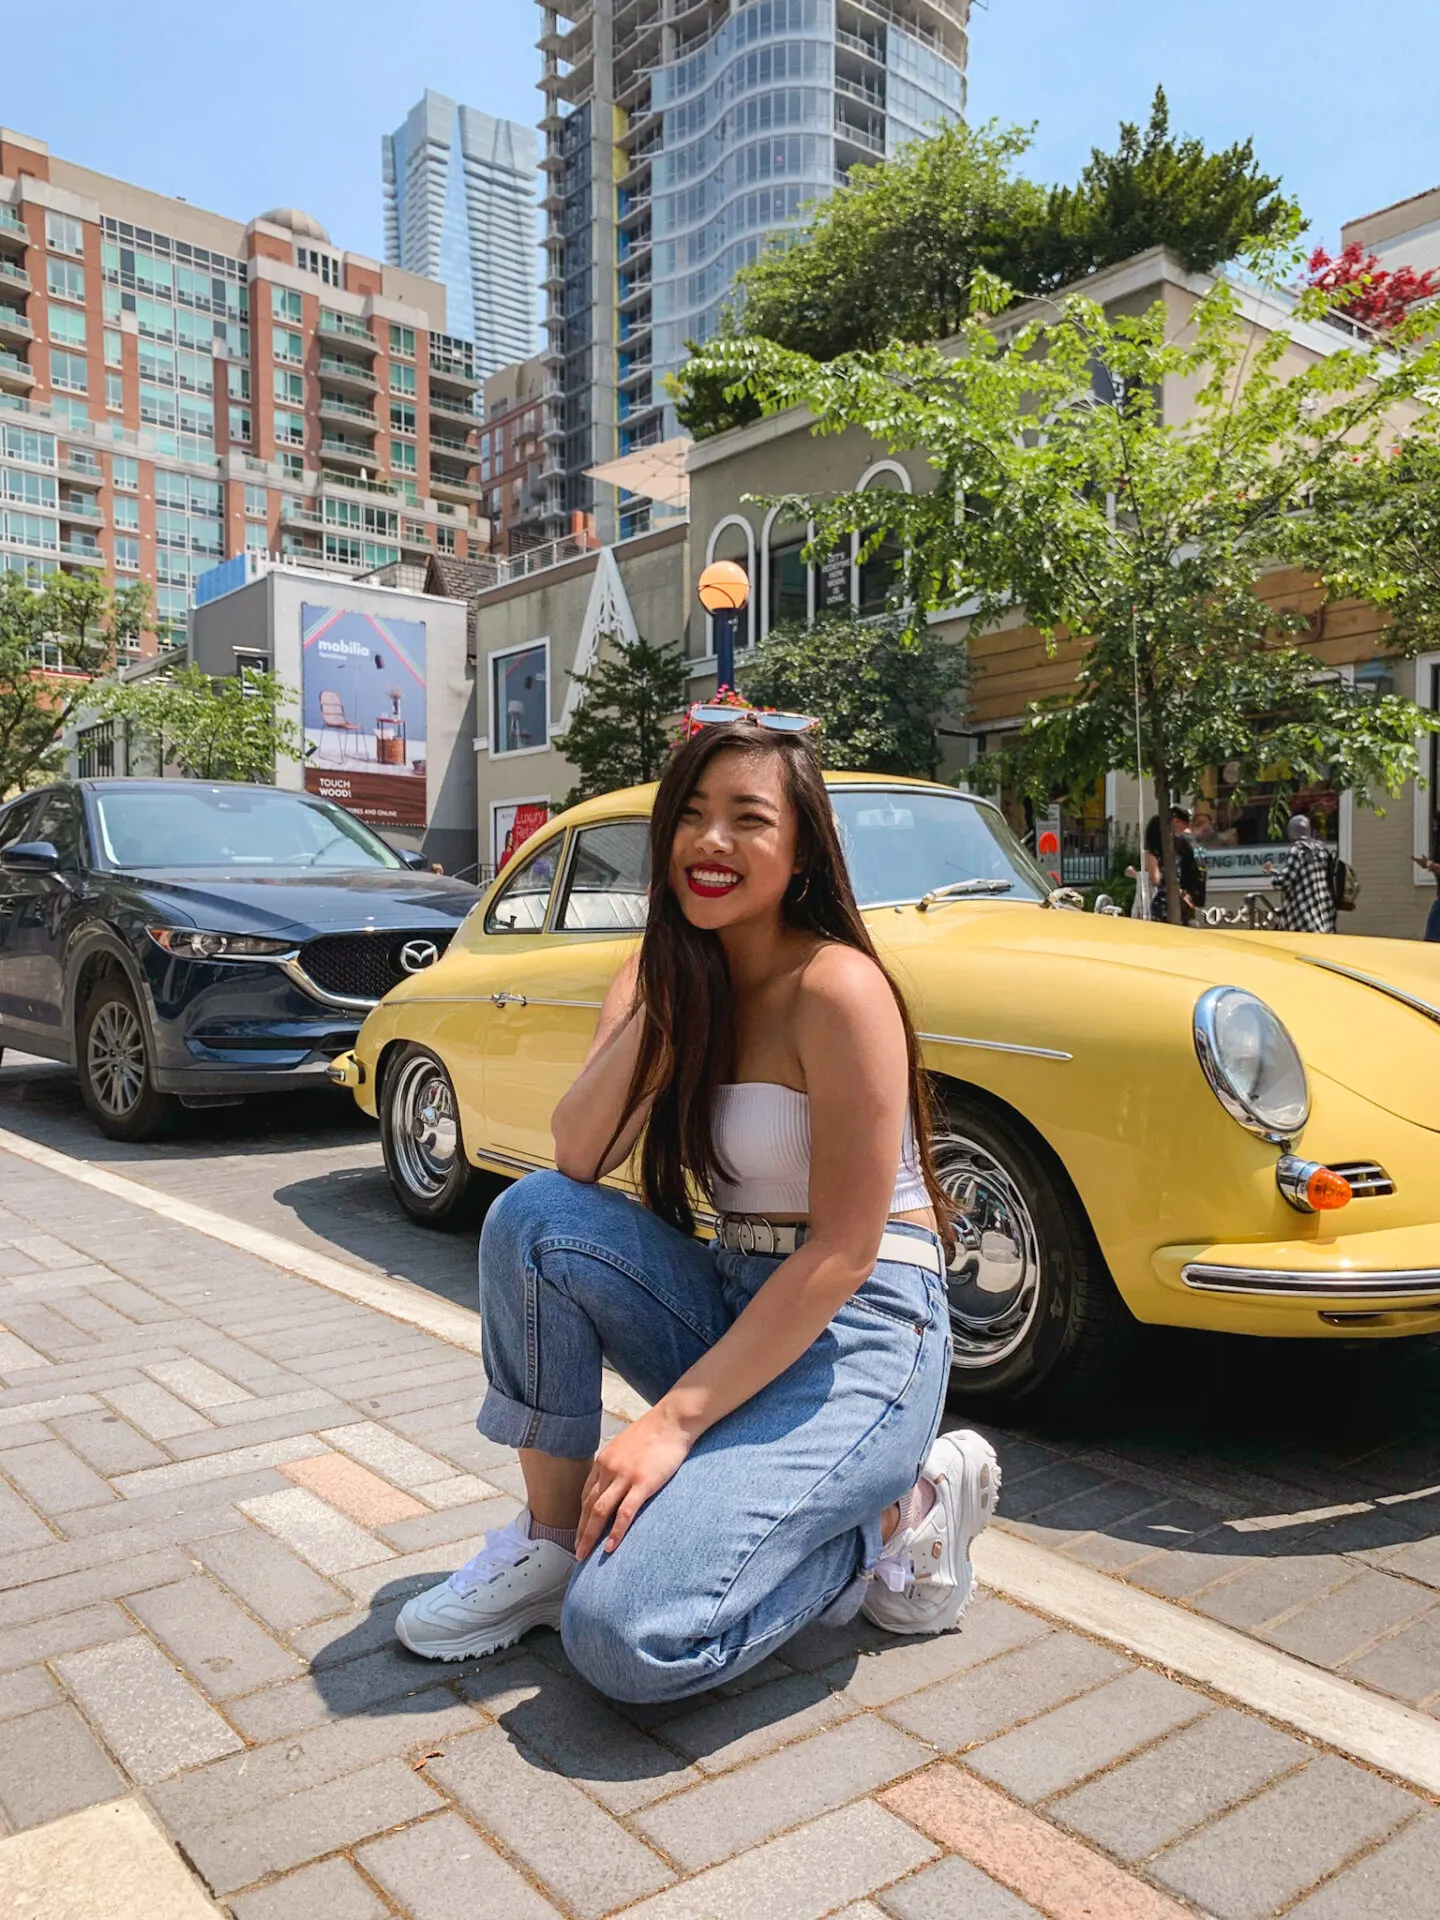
(1376, 296)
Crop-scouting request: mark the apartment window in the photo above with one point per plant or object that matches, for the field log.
(290, 428)
(402, 418)
(485, 458)
(402, 379)
(114, 349)
(237, 382)
(290, 388)
(257, 537)
(64, 235)
(67, 371)
(125, 515)
(311, 260)
(402, 341)
(288, 345)
(64, 280)
(114, 393)
(127, 554)
(402, 455)
(125, 474)
(110, 305)
(67, 329)
(292, 465)
(257, 502)
(240, 422)
(285, 303)
(445, 539)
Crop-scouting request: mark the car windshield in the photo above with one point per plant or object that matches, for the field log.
(904, 843)
(186, 825)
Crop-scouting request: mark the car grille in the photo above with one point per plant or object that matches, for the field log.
(1368, 1180)
(364, 966)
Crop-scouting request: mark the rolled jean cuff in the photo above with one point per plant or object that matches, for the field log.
(510, 1423)
(846, 1604)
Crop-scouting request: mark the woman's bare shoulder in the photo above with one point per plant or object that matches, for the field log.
(839, 982)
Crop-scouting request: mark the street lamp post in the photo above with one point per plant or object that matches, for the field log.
(724, 588)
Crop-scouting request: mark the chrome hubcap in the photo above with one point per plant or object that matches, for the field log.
(115, 1058)
(424, 1128)
(994, 1278)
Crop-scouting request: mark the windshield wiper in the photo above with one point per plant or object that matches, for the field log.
(958, 889)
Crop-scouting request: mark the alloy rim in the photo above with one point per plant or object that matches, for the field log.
(115, 1058)
(994, 1277)
(424, 1128)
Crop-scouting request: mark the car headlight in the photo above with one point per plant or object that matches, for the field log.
(190, 943)
(1252, 1063)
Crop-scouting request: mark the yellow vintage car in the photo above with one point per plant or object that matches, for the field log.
(1234, 1131)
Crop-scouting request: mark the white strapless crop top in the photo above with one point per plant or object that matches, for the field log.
(762, 1134)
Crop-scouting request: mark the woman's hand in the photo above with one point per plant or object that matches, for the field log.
(627, 1471)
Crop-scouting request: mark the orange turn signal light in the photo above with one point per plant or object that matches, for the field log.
(1326, 1190)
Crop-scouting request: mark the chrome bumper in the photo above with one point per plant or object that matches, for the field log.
(1405, 1283)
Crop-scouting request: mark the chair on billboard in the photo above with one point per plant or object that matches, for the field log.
(333, 719)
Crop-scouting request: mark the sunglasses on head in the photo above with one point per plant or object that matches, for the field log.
(710, 715)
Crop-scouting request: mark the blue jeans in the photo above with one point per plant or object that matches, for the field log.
(1432, 923)
(773, 1521)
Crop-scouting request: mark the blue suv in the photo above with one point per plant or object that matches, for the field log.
(177, 940)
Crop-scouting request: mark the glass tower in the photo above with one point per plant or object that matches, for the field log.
(460, 208)
(681, 135)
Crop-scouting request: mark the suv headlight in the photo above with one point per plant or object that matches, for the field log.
(1252, 1063)
(190, 943)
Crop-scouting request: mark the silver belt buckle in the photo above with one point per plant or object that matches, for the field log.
(745, 1235)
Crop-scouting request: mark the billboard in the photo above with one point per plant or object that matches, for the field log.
(362, 691)
(511, 824)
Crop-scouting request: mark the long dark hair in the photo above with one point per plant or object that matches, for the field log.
(687, 1045)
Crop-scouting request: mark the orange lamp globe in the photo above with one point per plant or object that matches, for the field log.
(724, 587)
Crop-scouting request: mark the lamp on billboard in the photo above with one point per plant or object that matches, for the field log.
(724, 588)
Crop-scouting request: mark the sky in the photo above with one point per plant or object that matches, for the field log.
(263, 103)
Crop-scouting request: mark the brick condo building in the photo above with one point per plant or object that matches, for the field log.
(176, 387)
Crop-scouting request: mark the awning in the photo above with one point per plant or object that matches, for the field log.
(653, 473)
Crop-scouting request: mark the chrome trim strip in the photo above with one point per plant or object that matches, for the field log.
(995, 1046)
(1415, 1004)
(1395, 1284)
(302, 980)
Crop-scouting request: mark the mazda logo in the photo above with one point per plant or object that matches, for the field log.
(416, 955)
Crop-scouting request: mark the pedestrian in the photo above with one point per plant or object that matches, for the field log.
(1432, 867)
(1189, 870)
(788, 1469)
(1307, 881)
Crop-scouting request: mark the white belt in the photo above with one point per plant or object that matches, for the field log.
(753, 1233)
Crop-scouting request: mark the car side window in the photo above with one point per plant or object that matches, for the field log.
(608, 886)
(59, 823)
(521, 905)
(15, 819)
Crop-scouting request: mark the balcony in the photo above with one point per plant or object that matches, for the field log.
(346, 373)
(445, 486)
(857, 136)
(14, 234)
(81, 467)
(857, 43)
(84, 512)
(15, 374)
(633, 291)
(446, 407)
(354, 482)
(293, 513)
(449, 449)
(339, 326)
(455, 369)
(637, 370)
(82, 550)
(13, 276)
(350, 452)
(332, 407)
(855, 90)
(14, 325)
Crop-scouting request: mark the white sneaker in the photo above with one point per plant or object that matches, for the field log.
(923, 1578)
(513, 1584)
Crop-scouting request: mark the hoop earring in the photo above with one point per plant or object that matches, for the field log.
(804, 892)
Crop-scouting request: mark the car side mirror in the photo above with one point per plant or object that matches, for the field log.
(31, 856)
(416, 862)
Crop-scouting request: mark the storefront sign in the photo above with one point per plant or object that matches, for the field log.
(362, 689)
(1245, 866)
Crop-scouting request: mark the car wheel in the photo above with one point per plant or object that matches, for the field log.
(1034, 1314)
(112, 1056)
(424, 1147)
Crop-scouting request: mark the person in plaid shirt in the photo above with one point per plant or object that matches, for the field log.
(1307, 881)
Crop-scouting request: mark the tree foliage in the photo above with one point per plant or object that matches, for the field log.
(895, 255)
(882, 687)
(1061, 486)
(1373, 295)
(620, 734)
(72, 623)
(230, 729)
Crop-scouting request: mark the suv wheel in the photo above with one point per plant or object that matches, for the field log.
(112, 1054)
(423, 1145)
(1034, 1314)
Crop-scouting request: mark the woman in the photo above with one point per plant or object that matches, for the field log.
(1432, 867)
(788, 1470)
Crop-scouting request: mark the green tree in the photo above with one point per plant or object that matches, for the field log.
(620, 734)
(227, 729)
(883, 688)
(71, 625)
(1061, 487)
(895, 255)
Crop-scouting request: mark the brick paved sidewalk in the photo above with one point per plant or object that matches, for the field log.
(219, 1483)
